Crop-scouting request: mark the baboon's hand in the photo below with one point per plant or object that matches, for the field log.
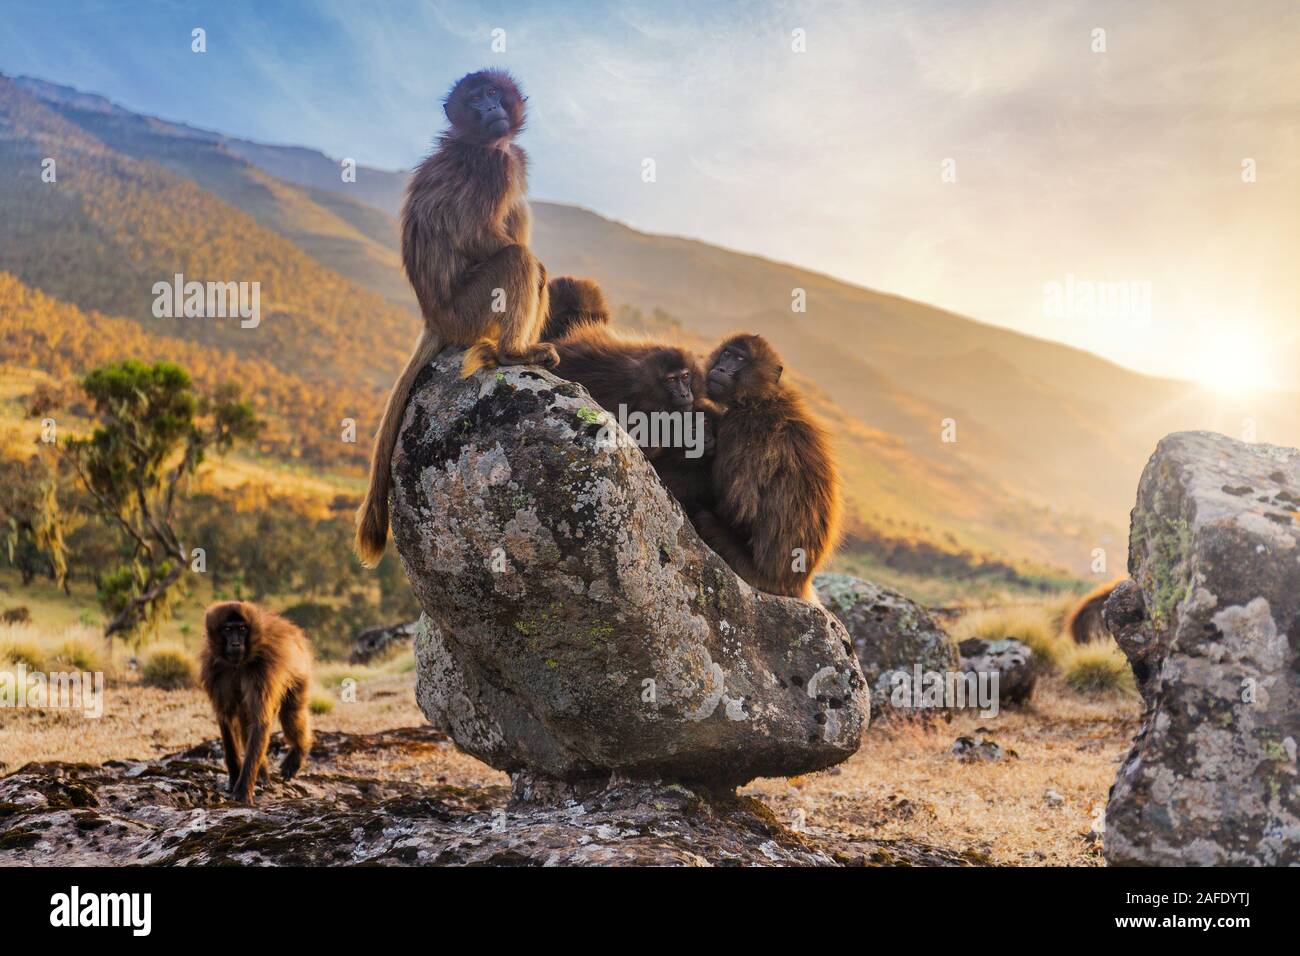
(550, 357)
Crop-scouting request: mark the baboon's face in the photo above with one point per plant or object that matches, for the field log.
(744, 367)
(485, 107)
(232, 637)
(677, 386)
(729, 366)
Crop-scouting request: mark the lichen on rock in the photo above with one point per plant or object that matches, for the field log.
(1210, 622)
(891, 635)
(576, 628)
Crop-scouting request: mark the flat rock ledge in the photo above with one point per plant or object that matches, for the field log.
(1210, 622)
(174, 812)
(577, 633)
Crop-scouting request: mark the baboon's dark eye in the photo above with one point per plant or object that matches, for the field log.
(493, 91)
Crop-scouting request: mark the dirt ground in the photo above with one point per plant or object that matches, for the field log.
(1037, 806)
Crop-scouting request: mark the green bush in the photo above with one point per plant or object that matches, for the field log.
(1098, 668)
(13, 652)
(168, 668)
(78, 655)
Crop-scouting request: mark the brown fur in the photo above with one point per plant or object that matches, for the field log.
(272, 678)
(773, 474)
(574, 302)
(1084, 622)
(466, 228)
(621, 371)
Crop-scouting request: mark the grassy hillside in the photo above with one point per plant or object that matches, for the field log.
(1057, 435)
(125, 224)
(1050, 440)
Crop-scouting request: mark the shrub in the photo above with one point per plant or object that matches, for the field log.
(1031, 624)
(78, 654)
(1098, 668)
(14, 652)
(168, 668)
(321, 704)
(16, 615)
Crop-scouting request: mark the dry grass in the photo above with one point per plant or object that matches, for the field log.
(1034, 808)
(141, 722)
(168, 667)
(1099, 667)
(15, 651)
(903, 783)
(1037, 625)
(79, 653)
(73, 647)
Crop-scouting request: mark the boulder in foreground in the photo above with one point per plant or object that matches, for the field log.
(577, 630)
(892, 636)
(1211, 625)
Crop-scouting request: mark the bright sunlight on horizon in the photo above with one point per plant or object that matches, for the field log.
(973, 157)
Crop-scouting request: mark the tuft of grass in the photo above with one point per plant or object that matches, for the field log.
(332, 674)
(1058, 608)
(1098, 668)
(321, 704)
(78, 654)
(168, 668)
(15, 651)
(1033, 624)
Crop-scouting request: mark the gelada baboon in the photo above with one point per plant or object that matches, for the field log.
(651, 379)
(256, 665)
(1084, 623)
(777, 494)
(465, 233)
(574, 302)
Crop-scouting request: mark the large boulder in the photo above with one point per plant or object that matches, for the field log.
(576, 628)
(891, 634)
(1211, 625)
(1012, 660)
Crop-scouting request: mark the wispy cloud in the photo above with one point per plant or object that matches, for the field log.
(1122, 165)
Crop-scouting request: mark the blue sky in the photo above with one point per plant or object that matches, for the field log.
(1120, 165)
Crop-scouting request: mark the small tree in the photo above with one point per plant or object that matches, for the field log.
(153, 433)
(33, 523)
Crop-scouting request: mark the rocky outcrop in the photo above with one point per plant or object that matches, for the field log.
(1012, 660)
(577, 630)
(892, 636)
(353, 805)
(1211, 625)
(379, 640)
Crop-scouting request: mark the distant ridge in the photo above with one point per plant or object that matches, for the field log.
(1051, 439)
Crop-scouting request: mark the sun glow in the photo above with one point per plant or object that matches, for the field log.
(1232, 363)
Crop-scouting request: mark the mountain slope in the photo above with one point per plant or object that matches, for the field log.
(1068, 428)
(1050, 440)
(112, 226)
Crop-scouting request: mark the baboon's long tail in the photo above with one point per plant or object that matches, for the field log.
(372, 516)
